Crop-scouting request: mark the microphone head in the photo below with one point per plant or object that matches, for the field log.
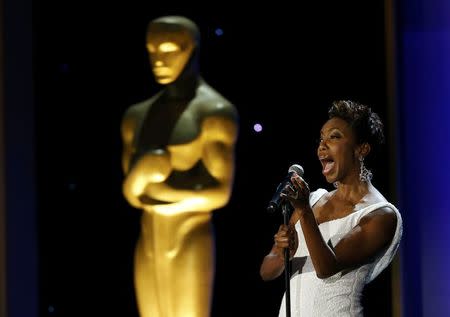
(297, 169)
(276, 201)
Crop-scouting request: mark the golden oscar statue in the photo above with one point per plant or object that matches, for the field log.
(178, 159)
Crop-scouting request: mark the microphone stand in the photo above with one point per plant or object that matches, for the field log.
(287, 273)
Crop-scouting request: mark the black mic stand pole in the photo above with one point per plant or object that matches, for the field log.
(287, 273)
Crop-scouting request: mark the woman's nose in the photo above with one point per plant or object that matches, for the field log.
(322, 144)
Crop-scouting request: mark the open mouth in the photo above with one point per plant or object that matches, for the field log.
(327, 164)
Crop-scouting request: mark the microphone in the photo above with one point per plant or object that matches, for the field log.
(275, 202)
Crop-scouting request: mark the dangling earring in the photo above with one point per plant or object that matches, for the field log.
(365, 175)
(336, 184)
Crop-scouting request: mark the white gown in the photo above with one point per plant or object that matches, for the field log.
(340, 294)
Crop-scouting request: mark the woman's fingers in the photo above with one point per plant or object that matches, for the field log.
(286, 237)
(281, 237)
(299, 182)
(289, 192)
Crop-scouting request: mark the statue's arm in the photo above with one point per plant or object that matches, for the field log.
(219, 134)
(219, 138)
(127, 130)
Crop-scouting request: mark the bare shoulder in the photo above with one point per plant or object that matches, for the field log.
(384, 212)
(382, 220)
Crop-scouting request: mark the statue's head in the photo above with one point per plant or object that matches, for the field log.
(171, 42)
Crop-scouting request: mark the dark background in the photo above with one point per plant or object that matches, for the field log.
(281, 67)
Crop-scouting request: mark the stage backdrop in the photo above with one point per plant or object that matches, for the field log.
(281, 67)
(423, 77)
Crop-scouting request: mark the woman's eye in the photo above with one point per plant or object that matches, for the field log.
(327, 138)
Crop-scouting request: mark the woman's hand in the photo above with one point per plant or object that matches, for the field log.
(273, 264)
(297, 193)
(286, 237)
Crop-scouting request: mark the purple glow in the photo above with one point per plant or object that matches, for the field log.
(257, 127)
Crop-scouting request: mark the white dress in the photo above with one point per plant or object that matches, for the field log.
(340, 294)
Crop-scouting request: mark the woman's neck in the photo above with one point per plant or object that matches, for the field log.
(352, 191)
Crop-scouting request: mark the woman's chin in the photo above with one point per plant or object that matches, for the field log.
(329, 178)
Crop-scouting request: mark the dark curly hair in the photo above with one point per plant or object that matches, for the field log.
(365, 123)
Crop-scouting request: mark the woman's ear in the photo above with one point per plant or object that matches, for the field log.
(363, 150)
